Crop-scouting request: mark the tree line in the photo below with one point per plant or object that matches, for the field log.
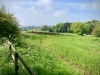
(80, 28)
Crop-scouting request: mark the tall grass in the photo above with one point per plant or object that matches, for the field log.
(83, 52)
(41, 59)
(55, 55)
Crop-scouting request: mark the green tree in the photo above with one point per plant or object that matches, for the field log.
(82, 28)
(50, 29)
(96, 30)
(78, 27)
(55, 28)
(88, 28)
(9, 25)
(67, 26)
(45, 27)
(94, 21)
(61, 27)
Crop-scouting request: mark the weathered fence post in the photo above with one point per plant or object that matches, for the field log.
(15, 57)
(16, 63)
(10, 49)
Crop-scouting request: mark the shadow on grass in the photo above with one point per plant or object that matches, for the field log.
(44, 71)
(7, 70)
(21, 44)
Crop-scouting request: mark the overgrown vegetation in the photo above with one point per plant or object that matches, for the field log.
(9, 25)
(6, 63)
(96, 31)
(59, 54)
(81, 28)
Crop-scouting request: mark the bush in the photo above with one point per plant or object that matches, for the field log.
(96, 31)
(9, 25)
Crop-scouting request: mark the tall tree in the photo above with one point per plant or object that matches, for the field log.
(88, 28)
(9, 25)
(50, 29)
(96, 30)
(55, 28)
(45, 27)
(78, 27)
(61, 27)
(67, 26)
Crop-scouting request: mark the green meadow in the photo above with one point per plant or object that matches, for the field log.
(65, 54)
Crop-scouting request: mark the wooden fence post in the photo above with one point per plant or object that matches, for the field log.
(15, 57)
(10, 49)
(16, 63)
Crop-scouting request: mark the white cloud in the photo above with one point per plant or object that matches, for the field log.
(15, 6)
(46, 4)
(31, 10)
(11, 5)
(35, 12)
(27, 2)
(90, 6)
(96, 5)
(43, 2)
(61, 13)
(83, 6)
(49, 8)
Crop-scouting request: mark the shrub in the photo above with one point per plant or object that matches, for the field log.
(9, 25)
(96, 31)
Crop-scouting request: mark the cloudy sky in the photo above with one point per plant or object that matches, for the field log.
(51, 12)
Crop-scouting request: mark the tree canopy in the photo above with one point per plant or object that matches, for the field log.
(89, 27)
(82, 28)
(61, 27)
(9, 25)
(45, 27)
(78, 27)
(96, 30)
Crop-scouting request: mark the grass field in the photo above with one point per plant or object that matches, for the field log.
(55, 55)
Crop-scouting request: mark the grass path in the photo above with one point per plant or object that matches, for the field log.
(68, 62)
(82, 54)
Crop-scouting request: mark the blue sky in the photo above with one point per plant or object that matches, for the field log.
(51, 12)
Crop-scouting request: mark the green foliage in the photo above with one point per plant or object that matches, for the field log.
(6, 63)
(51, 29)
(61, 27)
(82, 28)
(41, 59)
(45, 27)
(88, 27)
(93, 21)
(55, 55)
(78, 27)
(9, 25)
(96, 31)
(67, 26)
